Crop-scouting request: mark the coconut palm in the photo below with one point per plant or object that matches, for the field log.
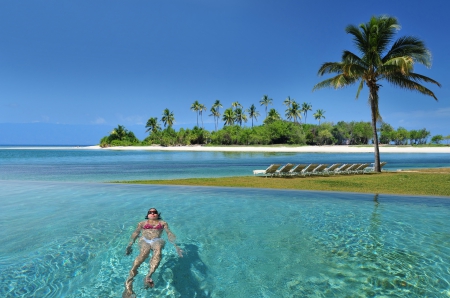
(201, 108)
(216, 114)
(152, 125)
(319, 115)
(120, 132)
(228, 116)
(379, 61)
(168, 118)
(305, 108)
(253, 113)
(265, 101)
(217, 105)
(236, 105)
(273, 115)
(239, 116)
(288, 101)
(293, 111)
(196, 108)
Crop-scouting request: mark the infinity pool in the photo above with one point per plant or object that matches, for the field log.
(63, 239)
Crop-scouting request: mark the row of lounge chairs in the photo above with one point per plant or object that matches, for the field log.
(316, 169)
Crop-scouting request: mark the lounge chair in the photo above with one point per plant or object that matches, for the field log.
(284, 170)
(342, 169)
(353, 168)
(269, 171)
(297, 170)
(372, 168)
(319, 170)
(361, 168)
(309, 169)
(330, 169)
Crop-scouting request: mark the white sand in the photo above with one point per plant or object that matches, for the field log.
(309, 149)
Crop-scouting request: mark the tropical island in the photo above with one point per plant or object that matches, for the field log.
(376, 62)
(381, 58)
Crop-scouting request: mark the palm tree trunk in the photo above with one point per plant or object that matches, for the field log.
(373, 99)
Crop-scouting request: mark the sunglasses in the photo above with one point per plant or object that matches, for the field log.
(152, 212)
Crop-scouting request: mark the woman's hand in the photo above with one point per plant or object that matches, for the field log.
(129, 250)
(179, 251)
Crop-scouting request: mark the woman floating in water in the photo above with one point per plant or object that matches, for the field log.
(151, 229)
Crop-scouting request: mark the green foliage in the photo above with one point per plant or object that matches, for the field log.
(273, 131)
(119, 136)
(437, 139)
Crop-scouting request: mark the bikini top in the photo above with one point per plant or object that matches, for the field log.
(147, 226)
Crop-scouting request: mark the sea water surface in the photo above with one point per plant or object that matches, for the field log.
(64, 232)
(107, 165)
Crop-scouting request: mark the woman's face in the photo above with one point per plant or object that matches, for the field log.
(152, 215)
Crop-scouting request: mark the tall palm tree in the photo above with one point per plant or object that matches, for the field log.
(253, 113)
(201, 108)
(319, 114)
(152, 125)
(239, 116)
(305, 108)
(293, 111)
(288, 101)
(216, 114)
(273, 115)
(196, 108)
(168, 118)
(236, 105)
(265, 101)
(217, 105)
(379, 59)
(228, 116)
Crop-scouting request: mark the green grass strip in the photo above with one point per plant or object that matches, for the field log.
(427, 182)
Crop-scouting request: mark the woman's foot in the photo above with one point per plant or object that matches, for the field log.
(128, 294)
(148, 282)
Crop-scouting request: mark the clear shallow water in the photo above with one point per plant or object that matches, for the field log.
(105, 165)
(68, 240)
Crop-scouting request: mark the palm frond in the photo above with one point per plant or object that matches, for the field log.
(410, 46)
(336, 82)
(403, 64)
(360, 87)
(406, 83)
(330, 67)
(349, 57)
(359, 36)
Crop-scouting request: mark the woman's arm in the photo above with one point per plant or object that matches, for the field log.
(172, 238)
(133, 238)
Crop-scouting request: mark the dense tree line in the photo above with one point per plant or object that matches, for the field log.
(274, 131)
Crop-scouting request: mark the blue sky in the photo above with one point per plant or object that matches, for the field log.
(71, 71)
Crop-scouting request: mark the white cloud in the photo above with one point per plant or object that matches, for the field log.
(134, 119)
(438, 113)
(99, 120)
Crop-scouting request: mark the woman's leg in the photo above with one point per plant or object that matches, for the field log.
(154, 262)
(145, 251)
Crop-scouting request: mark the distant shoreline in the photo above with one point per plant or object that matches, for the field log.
(263, 149)
(281, 149)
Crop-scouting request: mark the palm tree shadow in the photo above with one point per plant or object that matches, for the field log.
(189, 274)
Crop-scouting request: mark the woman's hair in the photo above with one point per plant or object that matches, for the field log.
(159, 214)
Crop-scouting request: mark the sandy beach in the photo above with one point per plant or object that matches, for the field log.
(305, 149)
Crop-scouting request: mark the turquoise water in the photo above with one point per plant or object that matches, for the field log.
(105, 165)
(64, 237)
(68, 240)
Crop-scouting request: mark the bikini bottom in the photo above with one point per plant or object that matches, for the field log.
(153, 241)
